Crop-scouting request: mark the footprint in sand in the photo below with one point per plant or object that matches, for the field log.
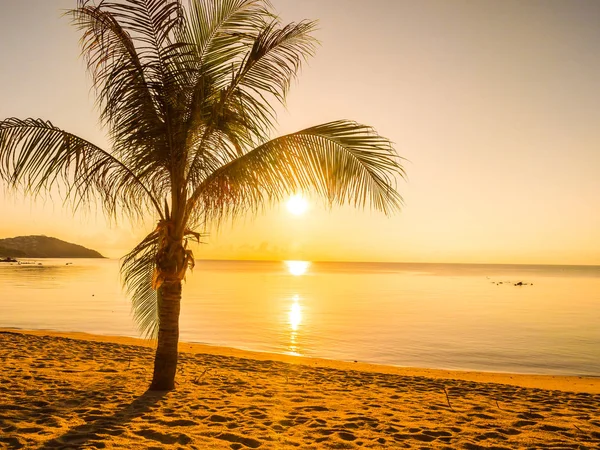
(523, 423)
(180, 423)
(346, 436)
(13, 442)
(236, 439)
(314, 408)
(530, 415)
(219, 419)
(163, 437)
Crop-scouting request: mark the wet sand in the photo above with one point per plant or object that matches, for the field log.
(75, 390)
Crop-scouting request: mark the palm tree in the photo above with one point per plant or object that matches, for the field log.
(187, 93)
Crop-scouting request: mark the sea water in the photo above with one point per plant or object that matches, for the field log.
(509, 318)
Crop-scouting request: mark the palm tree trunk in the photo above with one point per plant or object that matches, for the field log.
(165, 360)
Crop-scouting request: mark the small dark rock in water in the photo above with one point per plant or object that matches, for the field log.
(8, 260)
(518, 283)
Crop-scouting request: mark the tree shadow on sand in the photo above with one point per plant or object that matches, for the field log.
(102, 427)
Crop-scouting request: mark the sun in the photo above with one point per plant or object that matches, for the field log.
(297, 205)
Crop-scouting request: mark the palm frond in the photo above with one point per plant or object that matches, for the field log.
(154, 27)
(343, 161)
(128, 92)
(222, 150)
(151, 22)
(275, 58)
(137, 270)
(134, 63)
(221, 31)
(244, 111)
(219, 34)
(35, 155)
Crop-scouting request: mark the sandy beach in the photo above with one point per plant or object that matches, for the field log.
(77, 390)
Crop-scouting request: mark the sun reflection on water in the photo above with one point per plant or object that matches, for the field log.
(295, 314)
(297, 268)
(294, 320)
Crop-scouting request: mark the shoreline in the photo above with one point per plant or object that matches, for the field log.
(76, 390)
(566, 383)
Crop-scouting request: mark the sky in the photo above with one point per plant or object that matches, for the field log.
(494, 104)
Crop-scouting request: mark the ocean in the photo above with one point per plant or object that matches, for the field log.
(500, 318)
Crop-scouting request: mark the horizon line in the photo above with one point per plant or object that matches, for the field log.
(393, 262)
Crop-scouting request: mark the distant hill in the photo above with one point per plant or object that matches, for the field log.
(43, 247)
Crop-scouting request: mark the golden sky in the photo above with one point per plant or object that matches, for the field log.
(495, 104)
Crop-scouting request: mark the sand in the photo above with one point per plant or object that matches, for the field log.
(84, 391)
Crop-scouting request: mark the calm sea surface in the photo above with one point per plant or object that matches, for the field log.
(423, 315)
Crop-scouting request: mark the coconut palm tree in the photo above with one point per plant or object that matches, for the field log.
(187, 93)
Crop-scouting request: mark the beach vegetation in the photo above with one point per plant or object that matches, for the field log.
(188, 92)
